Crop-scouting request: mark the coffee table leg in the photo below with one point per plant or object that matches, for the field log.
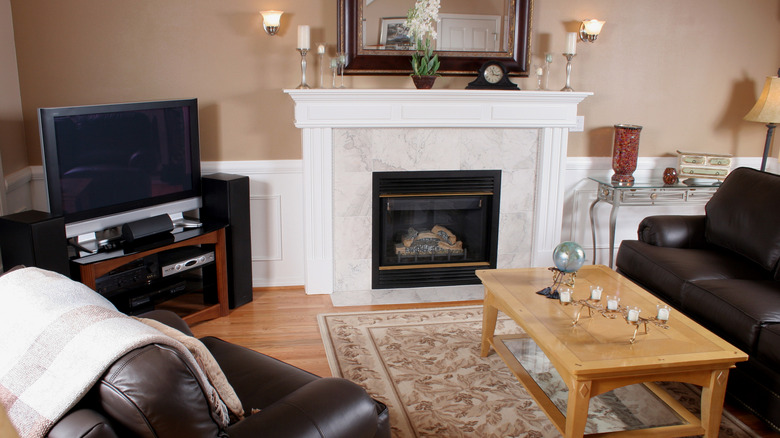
(489, 317)
(577, 409)
(712, 398)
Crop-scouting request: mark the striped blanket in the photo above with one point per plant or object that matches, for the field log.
(57, 337)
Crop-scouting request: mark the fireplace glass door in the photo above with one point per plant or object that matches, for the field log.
(434, 228)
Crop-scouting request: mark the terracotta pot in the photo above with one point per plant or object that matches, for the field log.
(624, 153)
(423, 82)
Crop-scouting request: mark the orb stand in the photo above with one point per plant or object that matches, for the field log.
(559, 278)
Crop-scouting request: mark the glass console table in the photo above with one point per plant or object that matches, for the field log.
(645, 192)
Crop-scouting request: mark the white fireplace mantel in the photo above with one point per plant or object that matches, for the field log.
(319, 111)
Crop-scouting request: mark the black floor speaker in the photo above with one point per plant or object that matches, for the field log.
(34, 238)
(226, 200)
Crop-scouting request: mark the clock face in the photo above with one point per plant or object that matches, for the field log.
(493, 73)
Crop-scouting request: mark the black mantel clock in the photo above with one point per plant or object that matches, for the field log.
(492, 76)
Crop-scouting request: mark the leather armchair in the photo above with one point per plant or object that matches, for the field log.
(150, 392)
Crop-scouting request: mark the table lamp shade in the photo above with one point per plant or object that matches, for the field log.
(767, 109)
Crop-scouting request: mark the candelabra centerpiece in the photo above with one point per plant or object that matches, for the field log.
(569, 257)
(612, 310)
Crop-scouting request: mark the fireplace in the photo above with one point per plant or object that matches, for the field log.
(349, 133)
(434, 228)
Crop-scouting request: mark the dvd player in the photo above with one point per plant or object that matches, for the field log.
(183, 259)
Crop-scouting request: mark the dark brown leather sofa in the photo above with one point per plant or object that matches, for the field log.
(723, 270)
(150, 392)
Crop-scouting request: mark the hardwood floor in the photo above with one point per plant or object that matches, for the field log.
(282, 323)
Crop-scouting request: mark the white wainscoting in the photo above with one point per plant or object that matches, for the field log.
(581, 192)
(276, 209)
(276, 203)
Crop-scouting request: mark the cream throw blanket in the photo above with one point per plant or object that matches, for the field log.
(57, 337)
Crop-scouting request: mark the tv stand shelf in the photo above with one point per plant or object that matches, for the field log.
(94, 266)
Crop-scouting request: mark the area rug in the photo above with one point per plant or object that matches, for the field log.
(424, 364)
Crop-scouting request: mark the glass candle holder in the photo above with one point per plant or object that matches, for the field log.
(663, 312)
(633, 314)
(613, 302)
(595, 292)
(565, 295)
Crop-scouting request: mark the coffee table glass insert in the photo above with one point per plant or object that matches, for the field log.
(632, 407)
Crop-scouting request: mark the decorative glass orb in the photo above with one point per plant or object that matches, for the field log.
(568, 257)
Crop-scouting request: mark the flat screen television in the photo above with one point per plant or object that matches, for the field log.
(106, 165)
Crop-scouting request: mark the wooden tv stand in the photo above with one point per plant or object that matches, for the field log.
(93, 267)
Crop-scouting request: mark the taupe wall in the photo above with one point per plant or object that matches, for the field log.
(685, 70)
(13, 152)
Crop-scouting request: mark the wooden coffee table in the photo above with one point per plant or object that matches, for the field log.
(595, 356)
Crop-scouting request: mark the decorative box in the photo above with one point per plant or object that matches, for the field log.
(703, 165)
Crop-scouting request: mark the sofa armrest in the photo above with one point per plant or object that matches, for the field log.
(674, 231)
(168, 318)
(327, 407)
(82, 423)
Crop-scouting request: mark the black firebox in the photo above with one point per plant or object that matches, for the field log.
(434, 228)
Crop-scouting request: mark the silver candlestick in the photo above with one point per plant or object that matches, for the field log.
(569, 57)
(303, 84)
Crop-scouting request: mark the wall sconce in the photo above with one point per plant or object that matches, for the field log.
(271, 21)
(590, 29)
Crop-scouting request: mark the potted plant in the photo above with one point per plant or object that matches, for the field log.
(421, 22)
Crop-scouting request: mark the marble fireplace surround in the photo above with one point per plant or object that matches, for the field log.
(349, 133)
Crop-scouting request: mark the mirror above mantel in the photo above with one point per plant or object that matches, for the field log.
(372, 37)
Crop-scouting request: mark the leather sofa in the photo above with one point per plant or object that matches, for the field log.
(150, 392)
(722, 269)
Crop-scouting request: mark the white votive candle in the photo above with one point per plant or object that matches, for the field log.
(663, 313)
(571, 43)
(321, 49)
(595, 292)
(565, 295)
(633, 315)
(303, 37)
(612, 303)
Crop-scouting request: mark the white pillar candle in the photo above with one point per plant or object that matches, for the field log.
(663, 313)
(565, 295)
(633, 315)
(612, 303)
(303, 37)
(571, 43)
(595, 292)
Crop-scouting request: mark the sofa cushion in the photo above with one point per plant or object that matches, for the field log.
(663, 271)
(742, 216)
(768, 349)
(736, 310)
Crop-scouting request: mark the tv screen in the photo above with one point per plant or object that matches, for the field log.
(120, 162)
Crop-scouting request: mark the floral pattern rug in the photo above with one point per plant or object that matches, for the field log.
(424, 364)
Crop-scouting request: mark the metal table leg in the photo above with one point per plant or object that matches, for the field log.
(593, 227)
(612, 222)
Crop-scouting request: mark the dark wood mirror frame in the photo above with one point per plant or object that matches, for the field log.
(361, 61)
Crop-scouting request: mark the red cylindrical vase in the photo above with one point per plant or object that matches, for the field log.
(624, 153)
